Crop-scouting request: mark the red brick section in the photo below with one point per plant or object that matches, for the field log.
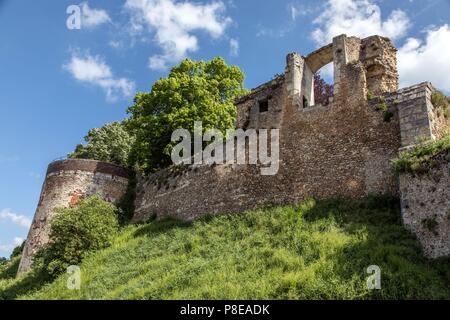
(75, 197)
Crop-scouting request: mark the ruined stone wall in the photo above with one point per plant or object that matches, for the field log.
(343, 149)
(380, 60)
(353, 45)
(439, 123)
(67, 182)
(425, 203)
(249, 115)
(418, 118)
(424, 195)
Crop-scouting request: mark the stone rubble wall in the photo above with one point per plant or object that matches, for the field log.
(380, 60)
(419, 120)
(248, 112)
(342, 150)
(425, 204)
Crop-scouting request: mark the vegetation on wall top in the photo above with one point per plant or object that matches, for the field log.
(110, 143)
(441, 103)
(420, 157)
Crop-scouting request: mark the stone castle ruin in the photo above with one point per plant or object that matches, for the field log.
(342, 149)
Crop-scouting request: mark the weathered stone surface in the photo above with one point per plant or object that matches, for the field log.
(418, 118)
(343, 149)
(249, 115)
(380, 60)
(425, 202)
(65, 184)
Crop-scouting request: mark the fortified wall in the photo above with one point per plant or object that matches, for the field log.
(67, 182)
(341, 149)
(425, 203)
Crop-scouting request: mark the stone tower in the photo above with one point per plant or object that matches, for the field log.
(67, 182)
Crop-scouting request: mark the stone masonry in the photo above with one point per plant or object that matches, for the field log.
(67, 182)
(425, 202)
(343, 149)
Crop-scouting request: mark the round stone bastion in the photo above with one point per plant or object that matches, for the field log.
(66, 183)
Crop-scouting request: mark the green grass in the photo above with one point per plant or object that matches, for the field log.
(418, 157)
(314, 250)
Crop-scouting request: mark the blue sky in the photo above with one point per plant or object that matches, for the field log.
(56, 83)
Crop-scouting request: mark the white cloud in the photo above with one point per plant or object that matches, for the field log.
(234, 47)
(17, 219)
(93, 70)
(275, 33)
(296, 10)
(93, 17)
(115, 44)
(358, 18)
(173, 24)
(427, 60)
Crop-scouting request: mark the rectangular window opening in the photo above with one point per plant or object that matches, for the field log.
(264, 106)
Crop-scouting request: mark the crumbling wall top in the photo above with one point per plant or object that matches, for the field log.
(319, 58)
(274, 83)
(88, 166)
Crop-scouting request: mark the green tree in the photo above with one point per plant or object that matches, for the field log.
(77, 231)
(110, 143)
(193, 91)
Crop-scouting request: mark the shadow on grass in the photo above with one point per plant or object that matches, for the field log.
(161, 226)
(372, 210)
(405, 272)
(9, 270)
(25, 284)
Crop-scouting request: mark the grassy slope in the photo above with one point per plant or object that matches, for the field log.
(316, 250)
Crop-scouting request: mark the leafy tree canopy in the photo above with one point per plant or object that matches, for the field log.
(110, 143)
(322, 90)
(193, 91)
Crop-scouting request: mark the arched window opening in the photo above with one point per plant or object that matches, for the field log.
(323, 85)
